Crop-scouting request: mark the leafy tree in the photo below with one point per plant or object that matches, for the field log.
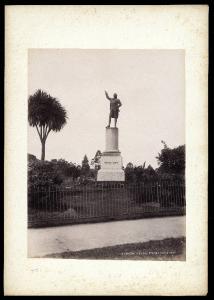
(171, 161)
(129, 172)
(71, 170)
(130, 165)
(137, 174)
(97, 156)
(31, 157)
(85, 166)
(96, 160)
(150, 171)
(46, 114)
(42, 175)
(65, 168)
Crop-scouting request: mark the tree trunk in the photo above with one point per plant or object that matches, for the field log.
(43, 150)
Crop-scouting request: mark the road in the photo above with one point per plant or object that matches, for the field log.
(59, 239)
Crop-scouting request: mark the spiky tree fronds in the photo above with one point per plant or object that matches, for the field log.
(46, 114)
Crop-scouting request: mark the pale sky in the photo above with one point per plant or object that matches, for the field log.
(149, 83)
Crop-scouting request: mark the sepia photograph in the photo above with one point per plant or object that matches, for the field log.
(106, 150)
(106, 154)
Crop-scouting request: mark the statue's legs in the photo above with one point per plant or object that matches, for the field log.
(109, 120)
(115, 122)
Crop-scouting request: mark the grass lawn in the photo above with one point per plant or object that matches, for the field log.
(167, 249)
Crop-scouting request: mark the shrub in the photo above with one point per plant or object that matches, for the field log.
(42, 175)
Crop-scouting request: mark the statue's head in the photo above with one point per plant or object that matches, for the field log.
(115, 95)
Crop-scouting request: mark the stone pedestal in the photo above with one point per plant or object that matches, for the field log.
(112, 139)
(111, 160)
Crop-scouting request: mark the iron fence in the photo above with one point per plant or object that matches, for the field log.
(104, 201)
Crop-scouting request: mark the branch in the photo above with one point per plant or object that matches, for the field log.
(48, 132)
(41, 131)
(38, 132)
(45, 129)
(45, 134)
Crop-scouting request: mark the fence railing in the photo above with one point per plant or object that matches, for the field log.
(104, 201)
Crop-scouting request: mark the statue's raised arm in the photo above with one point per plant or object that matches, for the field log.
(107, 96)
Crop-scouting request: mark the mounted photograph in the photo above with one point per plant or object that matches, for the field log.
(106, 154)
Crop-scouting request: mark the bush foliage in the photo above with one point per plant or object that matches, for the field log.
(171, 167)
(54, 173)
(42, 174)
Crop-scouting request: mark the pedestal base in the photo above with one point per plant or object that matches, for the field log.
(111, 167)
(110, 175)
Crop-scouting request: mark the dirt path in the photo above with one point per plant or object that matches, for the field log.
(45, 241)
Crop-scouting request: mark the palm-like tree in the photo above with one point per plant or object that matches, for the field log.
(46, 114)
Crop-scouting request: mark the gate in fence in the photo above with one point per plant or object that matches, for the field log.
(104, 201)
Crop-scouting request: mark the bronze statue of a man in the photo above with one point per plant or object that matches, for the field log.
(115, 103)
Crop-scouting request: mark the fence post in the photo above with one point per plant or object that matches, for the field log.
(158, 199)
(48, 200)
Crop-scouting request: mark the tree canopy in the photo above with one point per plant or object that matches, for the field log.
(46, 114)
(96, 160)
(85, 166)
(171, 161)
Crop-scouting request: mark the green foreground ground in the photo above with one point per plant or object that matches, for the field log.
(167, 249)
